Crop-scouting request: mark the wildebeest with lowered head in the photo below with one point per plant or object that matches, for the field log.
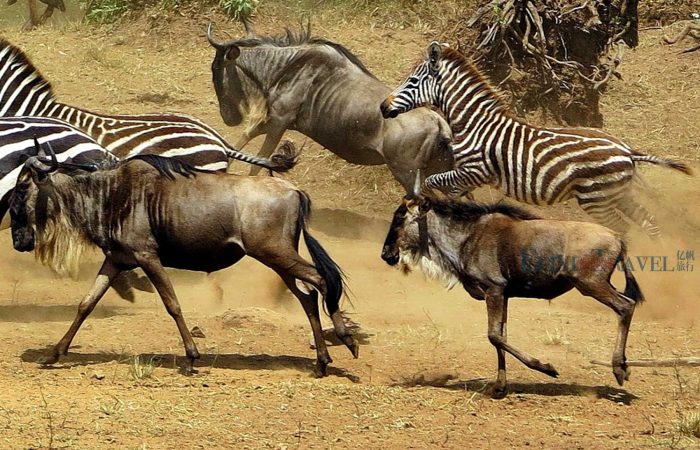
(498, 252)
(153, 212)
(319, 88)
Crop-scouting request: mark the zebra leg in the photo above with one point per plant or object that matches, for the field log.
(639, 215)
(457, 181)
(605, 213)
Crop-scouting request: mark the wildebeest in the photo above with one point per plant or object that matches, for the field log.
(153, 212)
(498, 252)
(319, 88)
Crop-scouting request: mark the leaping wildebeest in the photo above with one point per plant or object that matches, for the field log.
(498, 252)
(319, 88)
(532, 164)
(153, 212)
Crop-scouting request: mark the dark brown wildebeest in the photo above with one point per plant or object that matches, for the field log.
(319, 88)
(499, 251)
(153, 212)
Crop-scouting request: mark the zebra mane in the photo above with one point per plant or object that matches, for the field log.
(471, 211)
(460, 60)
(289, 38)
(17, 61)
(167, 167)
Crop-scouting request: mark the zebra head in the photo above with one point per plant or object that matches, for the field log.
(419, 89)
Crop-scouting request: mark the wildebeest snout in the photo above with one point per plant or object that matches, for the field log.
(388, 112)
(390, 255)
(23, 239)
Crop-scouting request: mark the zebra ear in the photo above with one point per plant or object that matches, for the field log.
(434, 52)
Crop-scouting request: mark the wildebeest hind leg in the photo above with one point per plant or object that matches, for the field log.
(624, 307)
(104, 278)
(156, 273)
(310, 304)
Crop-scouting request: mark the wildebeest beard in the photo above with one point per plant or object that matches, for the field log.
(59, 243)
(417, 249)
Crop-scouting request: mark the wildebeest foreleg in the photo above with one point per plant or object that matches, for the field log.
(156, 273)
(272, 140)
(497, 310)
(106, 275)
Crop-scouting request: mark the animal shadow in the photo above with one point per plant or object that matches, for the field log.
(231, 361)
(549, 389)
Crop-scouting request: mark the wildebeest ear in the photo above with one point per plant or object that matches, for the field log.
(232, 52)
(38, 170)
(434, 52)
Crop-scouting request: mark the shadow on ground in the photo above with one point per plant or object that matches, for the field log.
(232, 361)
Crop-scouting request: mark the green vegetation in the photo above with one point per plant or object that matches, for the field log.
(107, 11)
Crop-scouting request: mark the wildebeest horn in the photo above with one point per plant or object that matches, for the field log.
(249, 33)
(210, 38)
(42, 166)
(416, 184)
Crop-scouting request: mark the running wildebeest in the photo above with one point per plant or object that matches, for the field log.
(498, 252)
(319, 88)
(153, 212)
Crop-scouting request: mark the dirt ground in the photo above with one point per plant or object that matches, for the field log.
(421, 380)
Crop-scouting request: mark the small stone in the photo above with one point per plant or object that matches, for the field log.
(197, 332)
(98, 375)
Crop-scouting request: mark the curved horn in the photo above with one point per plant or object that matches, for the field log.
(417, 184)
(54, 160)
(210, 38)
(249, 33)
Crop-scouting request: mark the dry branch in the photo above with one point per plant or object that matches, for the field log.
(664, 362)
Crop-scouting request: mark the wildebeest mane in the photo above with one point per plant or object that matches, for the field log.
(289, 38)
(167, 167)
(471, 211)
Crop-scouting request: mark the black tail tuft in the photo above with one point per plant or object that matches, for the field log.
(632, 289)
(330, 272)
(285, 158)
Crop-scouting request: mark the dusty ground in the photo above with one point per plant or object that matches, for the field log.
(421, 378)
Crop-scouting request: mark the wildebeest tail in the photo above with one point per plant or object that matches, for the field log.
(326, 267)
(666, 162)
(632, 289)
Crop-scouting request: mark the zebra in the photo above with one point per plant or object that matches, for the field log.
(532, 164)
(25, 92)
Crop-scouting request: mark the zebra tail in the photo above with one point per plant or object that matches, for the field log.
(329, 271)
(632, 289)
(666, 162)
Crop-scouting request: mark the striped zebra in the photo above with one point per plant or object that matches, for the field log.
(17, 136)
(534, 165)
(25, 92)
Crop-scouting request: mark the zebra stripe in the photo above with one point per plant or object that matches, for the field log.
(534, 165)
(24, 91)
(17, 144)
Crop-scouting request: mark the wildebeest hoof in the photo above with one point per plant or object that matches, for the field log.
(499, 392)
(549, 370)
(47, 360)
(320, 370)
(621, 375)
(352, 345)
